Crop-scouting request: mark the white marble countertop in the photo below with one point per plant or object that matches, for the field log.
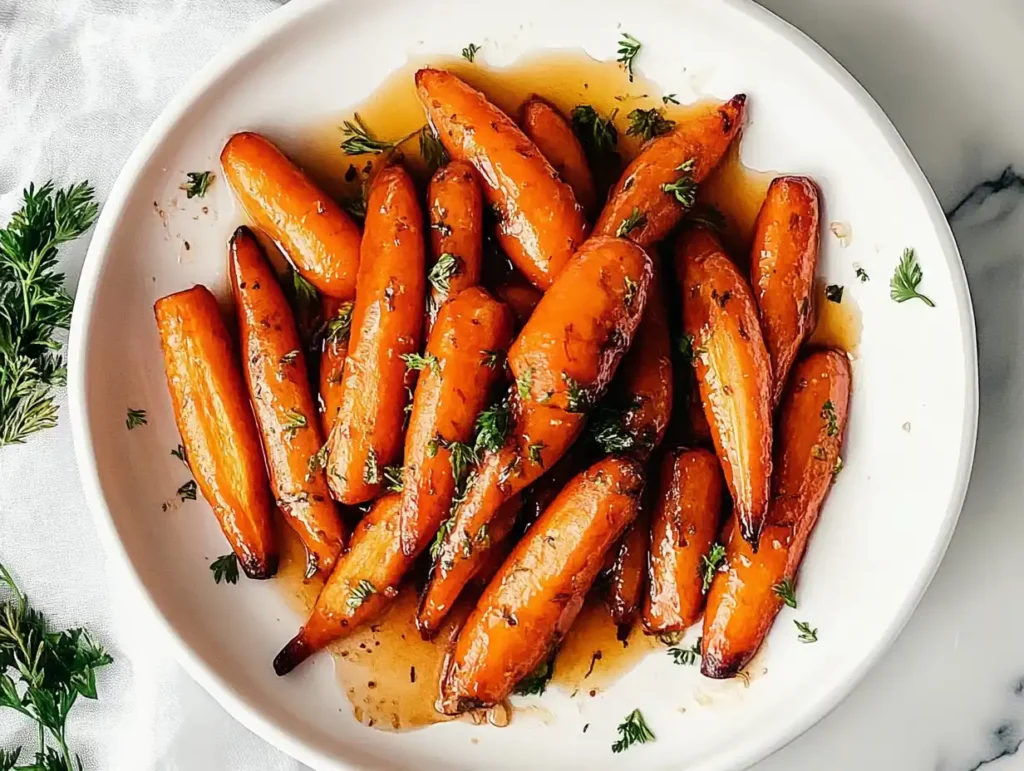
(948, 696)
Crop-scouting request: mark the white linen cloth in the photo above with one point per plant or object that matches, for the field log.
(80, 81)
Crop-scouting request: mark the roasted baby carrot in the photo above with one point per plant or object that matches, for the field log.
(562, 361)
(456, 212)
(660, 184)
(746, 597)
(387, 322)
(211, 408)
(627, 577)
(475, 552)
(782, 262)
(463, 360)
(685, 525)
(275, 370)
(554, 137)
(336, 328)
(519, 295)
(319, 238)
(733, 371)
(540, 223)
(364, 582)
(533, 600)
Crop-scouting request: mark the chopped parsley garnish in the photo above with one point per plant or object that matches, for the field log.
(597, 135)
(828, 413)
(669, 99)
(179, 453)
(632, 222)
(785, 590)
(524, 384)
(861, 274)
(838, 467)
(806, 633)
(187, 492)
(431, 150)
(42, 673)
(440, 275)
(469, 52)
(294, 420)
(608, 429)
(462, 457)
(686, 657)
(393, 479)
(417, 362)
(338, 329)
(629, 296)
(710, 563)
(360, 593)
(686, 349)
(535, 682)
(533, 452)
(576, 396)
(648, 124)
(317, 461)
(492, 426)
(633, 731)
(225, 569)
(685, 188)
(441, 536)
(834, 293)
(371, 469)
(198, 182)
(135, 418)
(307, 299)
(906, 279)
(629, 47)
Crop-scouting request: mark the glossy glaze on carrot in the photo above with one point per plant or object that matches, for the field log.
(533, 600)
(733, 371)
(519, 295)
(212, 412)
(275, 371)
(317, 235)
(782, 263)
(645, 195)
(456, 209)
(627, 576)
(743, 601)
(554, 137)
(466, 351)
(387, 323)
(540, 224)
(336, 329)
(685, 524)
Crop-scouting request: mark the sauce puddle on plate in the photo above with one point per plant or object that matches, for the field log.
(389, 674)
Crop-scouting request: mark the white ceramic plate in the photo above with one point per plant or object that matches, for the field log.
(912, 426)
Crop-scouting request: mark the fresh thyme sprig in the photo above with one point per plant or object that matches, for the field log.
(42, 674)
(359, 141)
(33, 303)
(629, 47)
(686, 657)
(633, 730)
(469, 52)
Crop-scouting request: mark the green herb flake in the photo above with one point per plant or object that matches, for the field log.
(861, 274)
(338, 329)
(371, 469)
(492, 426)
(906, 279)
(225, 569)
(633, 730)
(197, 183)
(135, 418)
(537, 681)
(293, 421)
(417, 362)
(609, 432)
(683, 189)
(179, 453)
(686, 657)
(597, 135)
(360, 593)
(710, 564)
(805, 633)
(533, 452)
(440, 537)
(524, 384)
(447, 267)
(631, 289)
(838, 467)
(632, 222)
(786, 591)
(431, 150)
(669, 99)
(317, 462)
(359, 141)
(492, 359)
(393, 479)
(629, 48)
(686, 349)
(648, 124)
(576, 396)
(828, 414)
(187, 492)
(470, 51)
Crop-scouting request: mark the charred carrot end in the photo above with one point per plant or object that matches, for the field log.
(294, 653)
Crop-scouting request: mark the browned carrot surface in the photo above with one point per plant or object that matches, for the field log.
(562, 360)
(554, 137)
(320, 239)
(464, 358)
(387, 322)
(686, 522)
(275, 370)
(659, 185)
(746, 597)
(540, 223)
(733, 371)
(782, 262)
(365, 580)
(627, 577)
(456, 209)
(211, 409)
(519, 295)
(337, 326)
(533, 600)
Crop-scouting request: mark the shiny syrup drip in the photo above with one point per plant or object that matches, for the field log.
(389, 674)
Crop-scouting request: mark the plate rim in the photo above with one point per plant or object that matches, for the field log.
(745, 753)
